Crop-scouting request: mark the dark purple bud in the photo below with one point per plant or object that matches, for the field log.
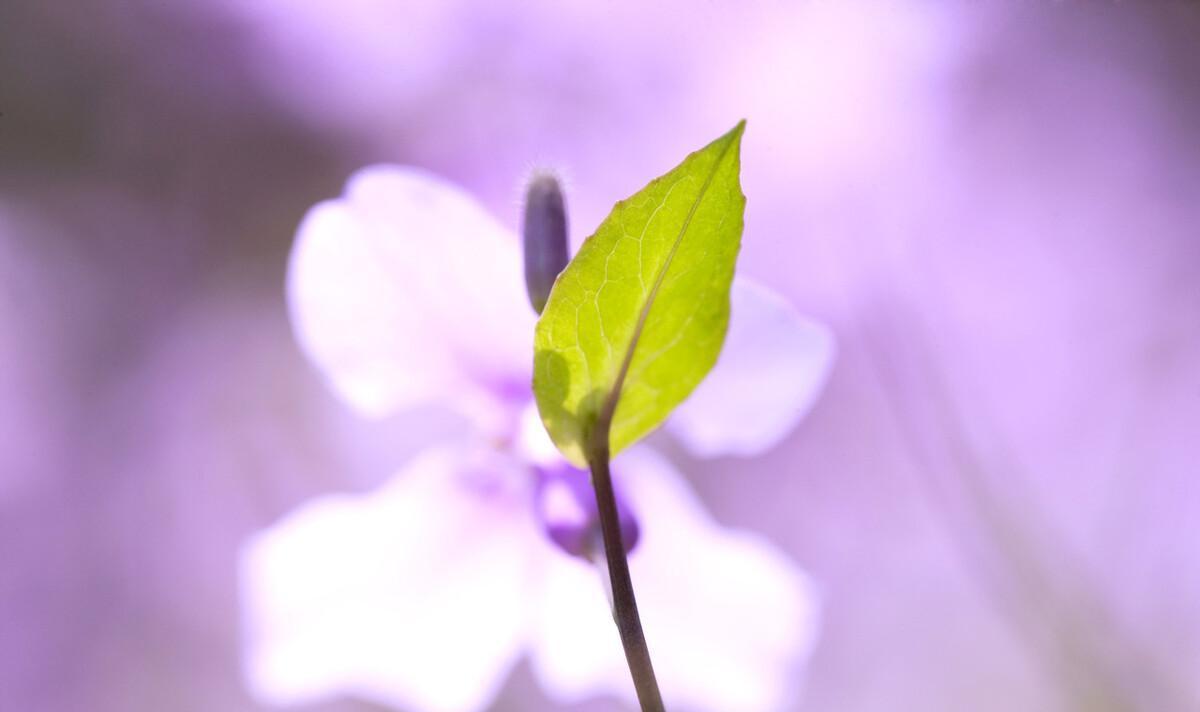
(566, 506)
(545, 237)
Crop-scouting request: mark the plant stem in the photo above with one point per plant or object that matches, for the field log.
(625, 611)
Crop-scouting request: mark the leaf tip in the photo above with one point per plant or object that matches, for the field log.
(733, 137)
(735, 134)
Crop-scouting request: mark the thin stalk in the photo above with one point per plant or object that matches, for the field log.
(625, 611)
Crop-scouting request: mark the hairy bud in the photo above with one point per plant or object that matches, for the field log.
(545, 237)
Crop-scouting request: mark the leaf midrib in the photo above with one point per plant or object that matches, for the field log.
(603, 423)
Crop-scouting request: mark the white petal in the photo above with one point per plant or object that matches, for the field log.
(770, 372)
(405, 291)
(414, 596)
(730, 621)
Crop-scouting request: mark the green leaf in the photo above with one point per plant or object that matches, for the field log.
(638, 317)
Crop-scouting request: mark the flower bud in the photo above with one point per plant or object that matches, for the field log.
(567, 509)
(545, 237)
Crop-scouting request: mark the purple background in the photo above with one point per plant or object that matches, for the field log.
(994, 205)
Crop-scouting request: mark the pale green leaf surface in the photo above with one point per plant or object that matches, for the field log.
(663, 257)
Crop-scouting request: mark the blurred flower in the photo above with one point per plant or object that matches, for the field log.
(424, 593)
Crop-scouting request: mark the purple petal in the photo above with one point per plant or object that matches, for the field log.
(729, 619)
(413, 596)
(770, 372)
(405, 291)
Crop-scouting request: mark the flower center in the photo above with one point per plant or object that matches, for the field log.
(567, 510)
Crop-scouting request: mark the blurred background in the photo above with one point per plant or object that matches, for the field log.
(994, 205)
